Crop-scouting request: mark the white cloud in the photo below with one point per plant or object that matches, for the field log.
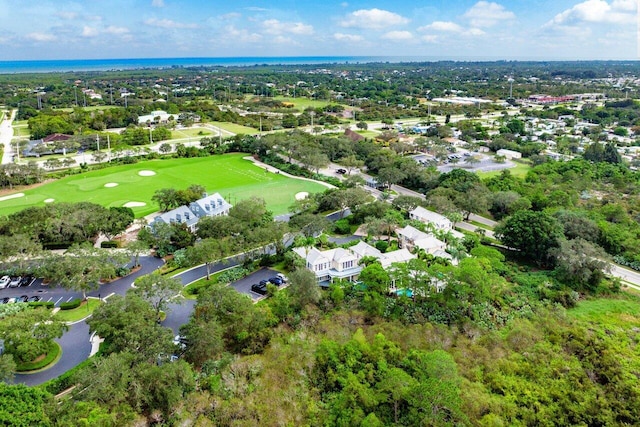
(112, 29)
(348, 37)
(67, 15)
(241, 35)
(431, 38)
(168, 23)
(275, 27)
(373, 18)
(89, 31)
(452, 28)
(445, 26)
(397, 36)
(230, 15)
(284, 40)
(40, 37)
(157, 3)
(597, 11)
(488, 14)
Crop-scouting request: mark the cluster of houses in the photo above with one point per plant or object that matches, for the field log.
(214, 205)
(340, 263)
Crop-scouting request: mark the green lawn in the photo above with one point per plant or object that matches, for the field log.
(78, 313)
(91, 108)
(21, 130)
(231, 176)
(191, 133)
(622, 311)
(520, 171)
(368, 133)
(235, 128)
(303, 103)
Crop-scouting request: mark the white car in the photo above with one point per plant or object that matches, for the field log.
(4, 281)
(15, 282)
(282, 277)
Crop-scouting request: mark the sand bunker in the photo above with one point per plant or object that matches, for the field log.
(302, 195)
(146, 173)
(11, 196)
(134, 204)
(49, 200)
(111, 184)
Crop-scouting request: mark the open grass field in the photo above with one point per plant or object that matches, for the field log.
(191, 133)
(91, 108)
(235, 128)
(520, 171)
(622, 311)
(230, 175)
(21, 130)
(303, 103)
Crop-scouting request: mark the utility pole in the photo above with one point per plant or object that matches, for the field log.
(75, 92)
(109, 147)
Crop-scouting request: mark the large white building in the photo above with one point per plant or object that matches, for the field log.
(214, 205)
(440, 222)
(157, 116)
(342, 263)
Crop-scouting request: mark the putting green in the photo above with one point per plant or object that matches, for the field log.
(230, 175)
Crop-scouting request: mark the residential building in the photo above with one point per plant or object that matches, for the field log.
(509, 154)
(411, 238)
(214, 205)
(158, 116)
(440, 222)
(344, 263)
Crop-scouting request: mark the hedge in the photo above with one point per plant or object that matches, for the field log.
(52, 354)
(71, 304)
(45, 304)
(109, 244)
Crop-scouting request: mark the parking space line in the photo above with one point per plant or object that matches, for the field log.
(56, 303)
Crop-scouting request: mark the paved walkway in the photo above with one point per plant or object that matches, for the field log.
(6, 135)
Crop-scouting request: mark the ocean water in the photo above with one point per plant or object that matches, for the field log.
(66, 65)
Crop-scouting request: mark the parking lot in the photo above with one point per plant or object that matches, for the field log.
(244, 285)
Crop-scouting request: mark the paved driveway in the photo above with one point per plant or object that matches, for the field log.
(244, 285)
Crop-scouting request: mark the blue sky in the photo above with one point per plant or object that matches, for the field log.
(515, 29)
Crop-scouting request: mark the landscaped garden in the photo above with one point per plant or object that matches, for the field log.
(134, 185)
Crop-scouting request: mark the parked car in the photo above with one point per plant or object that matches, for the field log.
(264, 282)
(4, 300)
(180, 341)
(23, 298)
(4, 281)
(282, 277)
(34, 298)
(15, 282)
(26, 281)
(276, 281)
(341, 171)
(259, 288)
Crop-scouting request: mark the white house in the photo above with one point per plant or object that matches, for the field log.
(343, 263)
(440, 222)
(180, 215)
(509, 154)
(157, 116)
(410, 238)
(214, 205)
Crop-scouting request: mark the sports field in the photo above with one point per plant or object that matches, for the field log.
(133, 185)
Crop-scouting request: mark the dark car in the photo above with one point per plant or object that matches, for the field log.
(23, 298)
(341, 171)
(276, 281)
(5, 300)
(26, 281)
(259, 288)
(34, 298)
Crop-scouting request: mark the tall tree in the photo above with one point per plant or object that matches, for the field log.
(534, 234)
(157, 290)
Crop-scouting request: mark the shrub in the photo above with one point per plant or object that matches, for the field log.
(382, 246)
(71, 304)
(52, 353)
(122, 271)
(233, 274)
(342, 226)
(45, 304)
(56, 245)
(109, 244)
